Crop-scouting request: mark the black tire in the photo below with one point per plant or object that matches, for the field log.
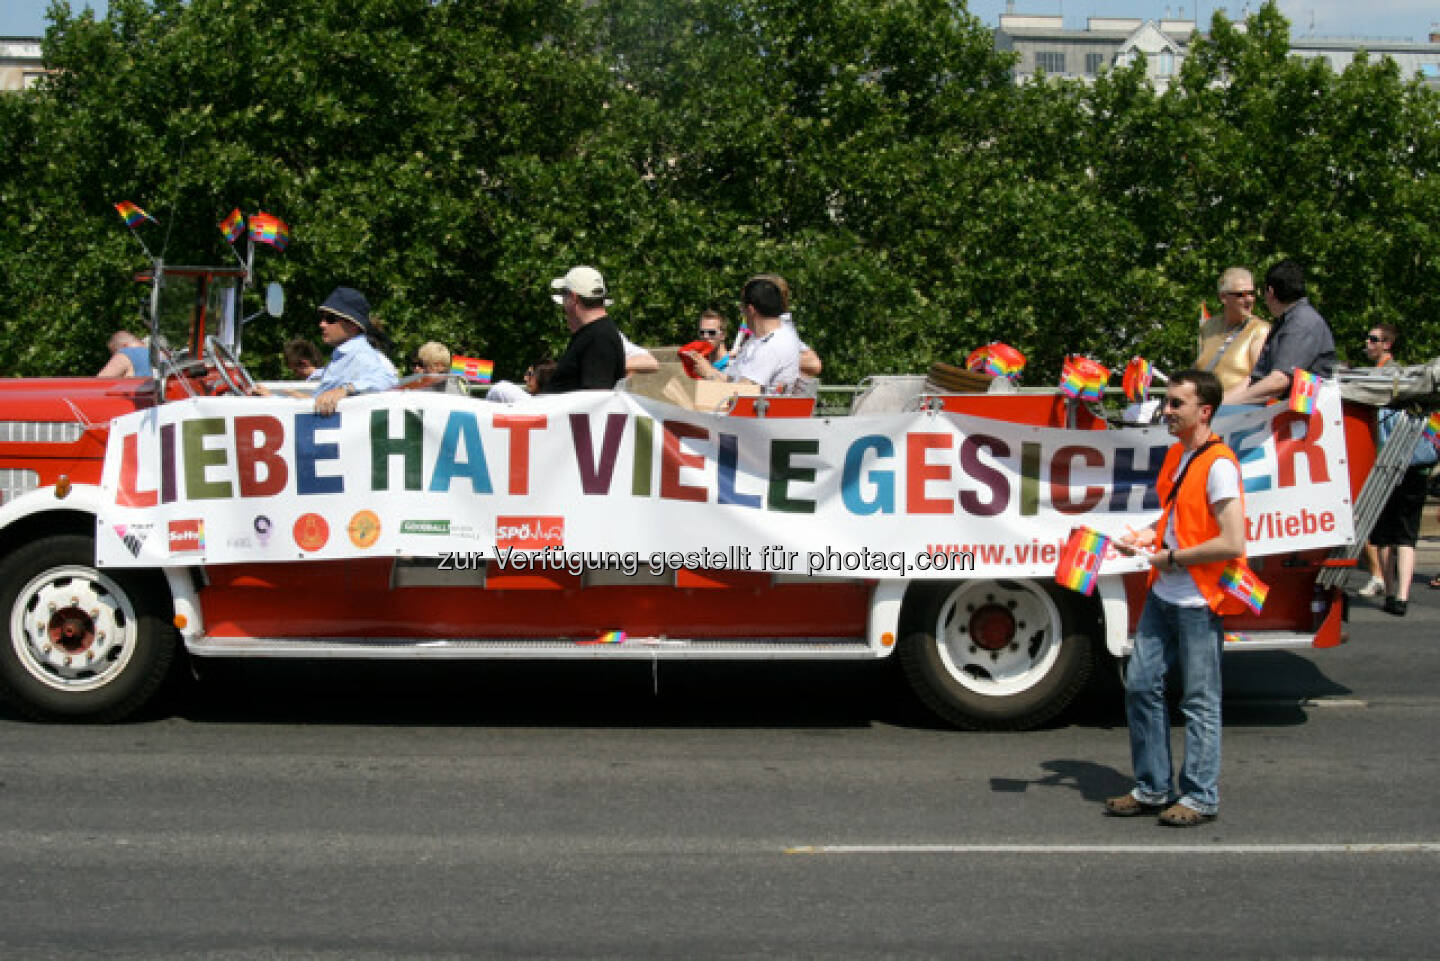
(80, 644)
(1020, 685)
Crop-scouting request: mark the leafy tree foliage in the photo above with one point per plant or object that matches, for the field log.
(450, 157)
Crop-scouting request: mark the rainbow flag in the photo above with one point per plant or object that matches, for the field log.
(609, 637)
(1083, 378)
(1204, 311)
(1432, 429)
(1240, 582)
(132, 214)
(1235, 637)
(473, 369)
(997, 360)
(1304, 387)
(1138, 374)
(1080, 559)
(233, 226)
(269, 229)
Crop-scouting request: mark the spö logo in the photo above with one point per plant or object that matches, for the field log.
(529, 533)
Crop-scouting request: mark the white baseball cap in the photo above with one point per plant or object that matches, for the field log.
(583, 282)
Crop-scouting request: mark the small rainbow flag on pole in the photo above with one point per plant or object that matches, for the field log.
(1204, 311)
(1432, 429)
(609, 637)
(1083, 378)
(1138, 374)
(1304, 387)
(1240, 582)
(233, 226)
(269, 229)
(473, 369)
(132, 214)
(1079, 565)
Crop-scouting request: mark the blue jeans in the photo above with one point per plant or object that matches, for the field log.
(1190, 637)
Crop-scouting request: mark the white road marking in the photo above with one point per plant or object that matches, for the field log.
(1398, 847)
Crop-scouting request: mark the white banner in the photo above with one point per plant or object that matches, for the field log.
(607, 479)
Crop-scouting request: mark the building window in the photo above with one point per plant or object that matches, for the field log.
(1165, 63)
(1051, 61)
(1093, 63)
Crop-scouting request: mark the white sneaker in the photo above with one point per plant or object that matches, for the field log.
(1373, 588)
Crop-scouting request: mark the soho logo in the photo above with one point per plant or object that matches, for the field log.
(529, 533)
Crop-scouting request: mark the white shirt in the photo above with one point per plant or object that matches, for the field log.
(1176, 585)
(772, 361)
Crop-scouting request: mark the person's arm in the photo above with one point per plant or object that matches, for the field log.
(641, 362)
(810, 364)
(117, 366)
(1274, 384)
(1257, 345)
(1228, 544)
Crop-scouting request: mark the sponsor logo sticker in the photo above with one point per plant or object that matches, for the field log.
(364, 529)
(263, 527)
(439, 526)
(132, 536)
(311, 532)
(529, 533)
(187, 536)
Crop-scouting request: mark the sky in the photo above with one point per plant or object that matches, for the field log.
(1391, 19)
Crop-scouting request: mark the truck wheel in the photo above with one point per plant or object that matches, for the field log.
(83, 644)
(994, 655)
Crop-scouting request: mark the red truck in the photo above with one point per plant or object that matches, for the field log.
(104, 591)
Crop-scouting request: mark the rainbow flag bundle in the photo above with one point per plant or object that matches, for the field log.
(1240, 582)
(609, 637)
(473, 369)
(1083, 378)
(132, 214)
(997, 360)
(1304, 388)
(269, 229)
(1079, 565)
(1138, 374)
(1432, 429)
(233, 226)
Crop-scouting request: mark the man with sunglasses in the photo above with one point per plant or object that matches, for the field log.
(1300, 339)
(355, 367)
(1200, 532)
(1230, 343)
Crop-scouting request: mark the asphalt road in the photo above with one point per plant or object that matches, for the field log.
(734, 811)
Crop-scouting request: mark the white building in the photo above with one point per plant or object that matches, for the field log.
(1044, 45)
(20, 66)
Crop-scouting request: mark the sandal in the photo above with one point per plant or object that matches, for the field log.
(1180, 816)
(1128, 806)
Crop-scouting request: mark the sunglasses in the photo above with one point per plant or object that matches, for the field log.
(1240, 293)
(328, 319)
(709, 333)
(1371, 338)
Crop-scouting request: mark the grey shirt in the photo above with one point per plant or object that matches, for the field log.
(1300, 340)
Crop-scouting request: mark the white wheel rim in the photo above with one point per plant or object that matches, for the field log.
(104, 622)
(1019, 665)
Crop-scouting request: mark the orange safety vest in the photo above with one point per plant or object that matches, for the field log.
(1194, 524)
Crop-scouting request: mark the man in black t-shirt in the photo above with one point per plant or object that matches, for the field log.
(595, 356)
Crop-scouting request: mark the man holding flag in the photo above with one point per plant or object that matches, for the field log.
(1194, 547)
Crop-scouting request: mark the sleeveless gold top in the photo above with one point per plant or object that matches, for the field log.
(1233, 367)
